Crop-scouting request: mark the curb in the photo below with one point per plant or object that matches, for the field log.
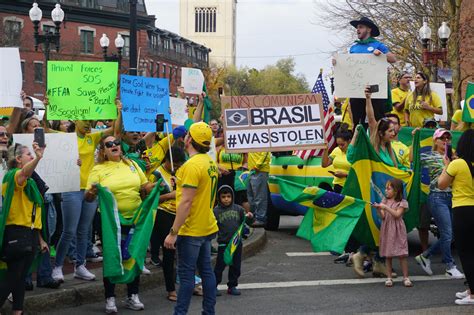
(86, 292)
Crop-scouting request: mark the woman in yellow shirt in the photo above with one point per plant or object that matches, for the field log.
(338, 159)
(422, 103)
(21, 222)
(460, 175)
(128, 183)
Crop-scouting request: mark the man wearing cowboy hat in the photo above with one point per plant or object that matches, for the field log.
(366, 43)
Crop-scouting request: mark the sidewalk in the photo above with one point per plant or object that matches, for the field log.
(74, 292)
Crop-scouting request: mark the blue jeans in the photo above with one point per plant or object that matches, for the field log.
(440, 204)
(77, 220)
(257, 195)
(192, 252)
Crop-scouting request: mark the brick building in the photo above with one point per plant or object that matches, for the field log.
(160, 53)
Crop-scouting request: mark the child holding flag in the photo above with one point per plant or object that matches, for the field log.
(230, 220)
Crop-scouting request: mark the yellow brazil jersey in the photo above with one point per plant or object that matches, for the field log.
(340, 163)
(259, 161)
(402, 152)
(87, 146)
(156, 154)
(124, 180)
(417, 114)
(463, 184)
(399, 96)
(200, 173)
(461, 125)
(21, 208)
(170, 204)
(346, 114)
(230, 161)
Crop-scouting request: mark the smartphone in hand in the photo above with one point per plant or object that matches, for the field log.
(39, 137)
(373, 88)
(160, 122)
(448, 151)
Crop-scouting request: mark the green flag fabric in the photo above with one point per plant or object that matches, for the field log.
(367, 179)
(206, 111)
(233, 244)
(124, 255)
(330, 219)
(468, 110)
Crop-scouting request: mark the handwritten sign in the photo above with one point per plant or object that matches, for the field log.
(192, 80)
(11, 79)
(440, 89)
(273, 122)
(142, 99)
(82, 90)
(353, 72)
(58, 167)
(179, 111)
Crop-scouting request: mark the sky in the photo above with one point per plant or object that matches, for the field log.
(268, 30)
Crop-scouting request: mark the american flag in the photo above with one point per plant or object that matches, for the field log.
(328, 121)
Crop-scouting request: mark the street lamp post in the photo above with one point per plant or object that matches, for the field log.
(133, 38)
(119, 43)
(433, 55)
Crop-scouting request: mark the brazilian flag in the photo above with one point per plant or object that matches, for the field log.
(330, 218)
(366, 181)
(233, 244)
(124, 256)
(468, 110)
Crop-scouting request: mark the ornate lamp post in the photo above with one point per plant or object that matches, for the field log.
(431, 56)
(119, 43)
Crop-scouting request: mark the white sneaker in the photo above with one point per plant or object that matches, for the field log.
(81, 272)
(146, 271)
(134, 303)
(465, 301)
(425, 263)
(110, 306)
(454, 273)
(57, 274)
(462, 295)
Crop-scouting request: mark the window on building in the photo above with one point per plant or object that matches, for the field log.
(38, 72)
(48, 29)
(171, 73)
(189, 51)
(126, 46)
(157, 69)
(88, 3)
(164, 70)
(167, 44)
(12, 30)
(178, 47)
(23, 70)
(205, 19)
(151, 69)
(87, 42)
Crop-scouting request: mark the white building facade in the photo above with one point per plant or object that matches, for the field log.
(211, 23)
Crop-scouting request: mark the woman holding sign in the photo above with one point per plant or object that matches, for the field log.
(127, 182)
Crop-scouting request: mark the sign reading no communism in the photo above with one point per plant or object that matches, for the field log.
(273, 122)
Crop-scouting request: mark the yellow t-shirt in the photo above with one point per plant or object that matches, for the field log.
(231, 161)
(457, 118)
(21, 207)
(87, 146)
(259, 161)
(200, 173)
(399, 96)
(346, 115)
(463, 183)
(417, 114)
(402, 152)
(170, 204)
(340, 163)
(123, 180)
(157, 153)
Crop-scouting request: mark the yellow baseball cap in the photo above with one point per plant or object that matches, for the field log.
(201, 133)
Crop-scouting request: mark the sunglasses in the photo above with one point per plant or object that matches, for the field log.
(4, 134)
(111, 144)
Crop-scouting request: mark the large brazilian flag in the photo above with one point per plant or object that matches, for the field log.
(468, 110)
(330, 218)
(366, 181)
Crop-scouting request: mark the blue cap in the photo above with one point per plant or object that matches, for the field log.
(179, 132)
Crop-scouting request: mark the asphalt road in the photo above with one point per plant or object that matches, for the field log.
(273, 282)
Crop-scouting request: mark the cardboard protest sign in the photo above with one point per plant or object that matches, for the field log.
(179, 111)
(273, 122)
(82, 90)
(192, 80)
(440, 90)
(142, 99)
(353, 72)
(58, 167)
(11, 79)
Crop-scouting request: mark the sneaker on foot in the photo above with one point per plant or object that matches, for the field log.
(454, 273)
(133, 303)
(146, 271)
(462, 295)
(156, 261)
(425, 263)
(94, 258)
(233, 291)
(81, 272)
(57, 274)
(465, 301)
(110, 306)
(342, 259)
